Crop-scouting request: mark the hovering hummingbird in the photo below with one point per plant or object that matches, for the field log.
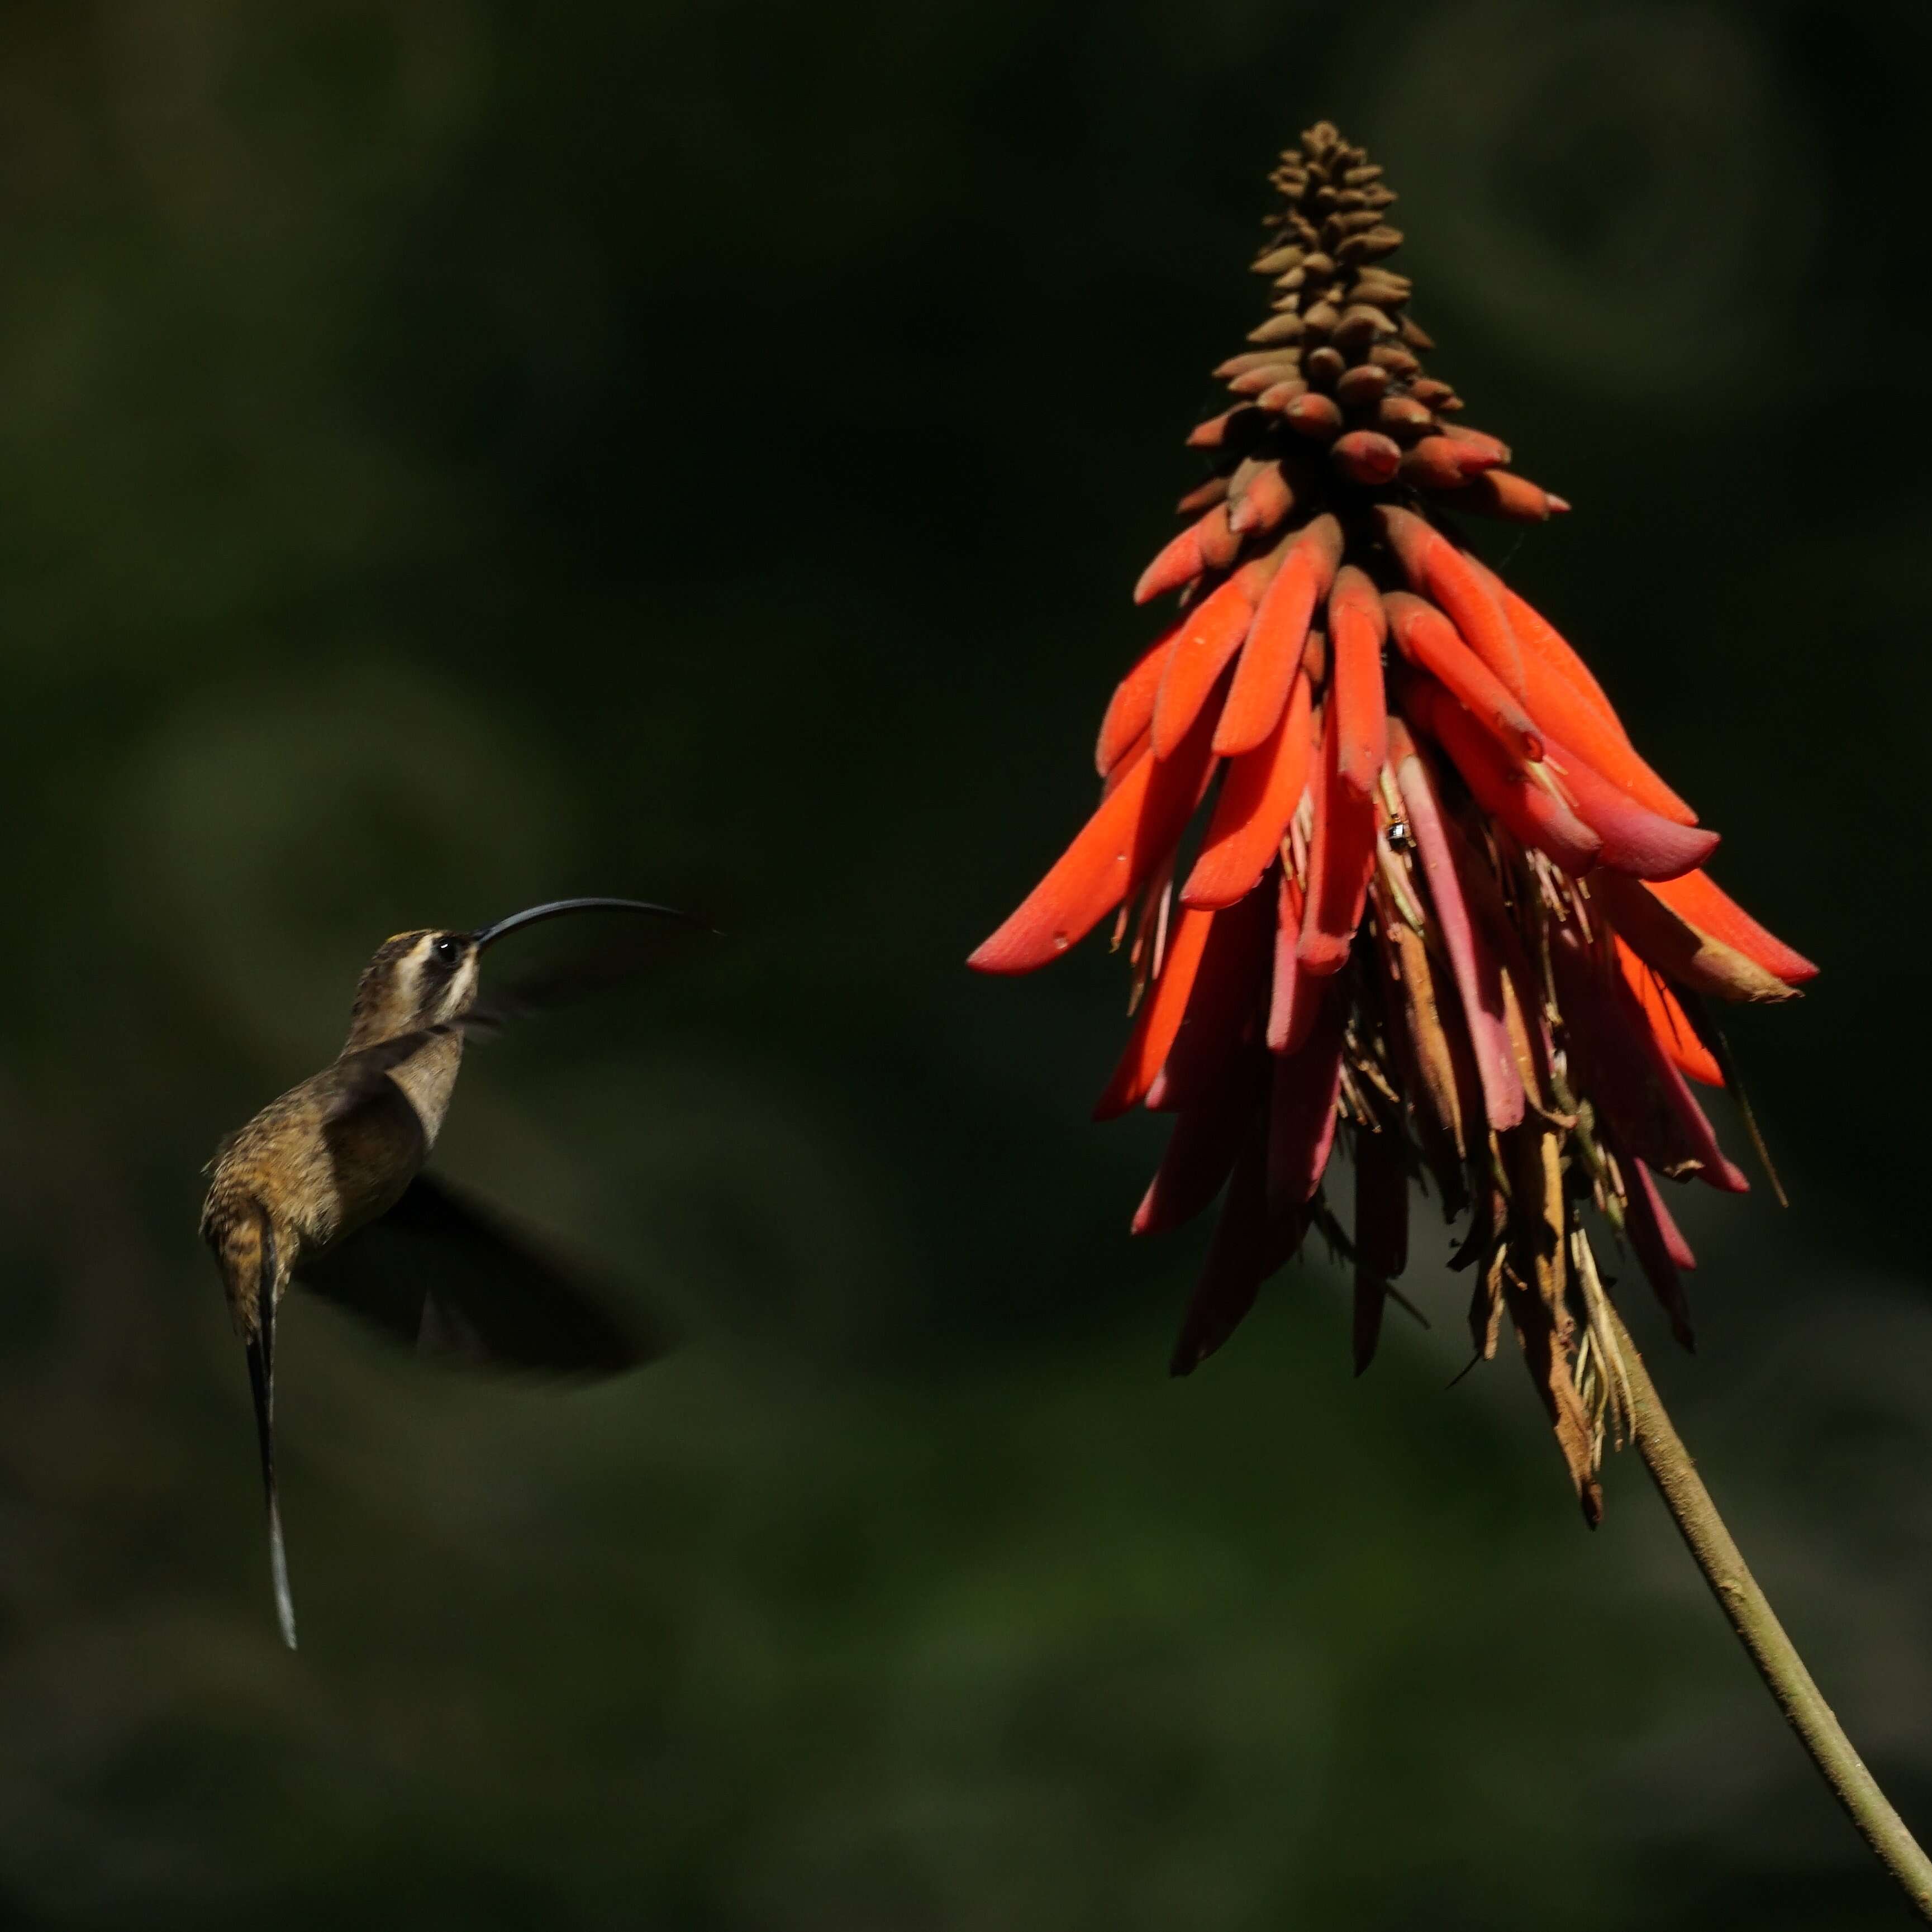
(324, 1187)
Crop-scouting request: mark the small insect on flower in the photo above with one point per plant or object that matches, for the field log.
(1440, 912)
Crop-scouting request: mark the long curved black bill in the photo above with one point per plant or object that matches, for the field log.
(557, 907)
(262, 1383)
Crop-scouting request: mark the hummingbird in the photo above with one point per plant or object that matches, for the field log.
(324, 1188)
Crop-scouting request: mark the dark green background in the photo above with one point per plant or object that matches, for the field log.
(455, 452)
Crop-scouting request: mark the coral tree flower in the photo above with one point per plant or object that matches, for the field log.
(1392, 875)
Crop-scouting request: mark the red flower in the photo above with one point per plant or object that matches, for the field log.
(1441, 911)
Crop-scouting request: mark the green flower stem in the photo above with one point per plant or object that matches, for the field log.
(1758, 1629)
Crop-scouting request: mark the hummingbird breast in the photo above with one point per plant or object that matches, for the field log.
(320, 1161)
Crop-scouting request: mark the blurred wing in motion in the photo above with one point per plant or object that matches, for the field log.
(626, 950)
(443, 1276)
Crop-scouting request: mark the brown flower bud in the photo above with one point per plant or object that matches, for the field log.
(1364, 456)
(1318, 417)
(1362, 386)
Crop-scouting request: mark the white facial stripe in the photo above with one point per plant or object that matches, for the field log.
(462, 987)
(409, 980)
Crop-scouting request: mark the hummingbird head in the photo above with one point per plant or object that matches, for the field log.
(422, 979)
(429, 977)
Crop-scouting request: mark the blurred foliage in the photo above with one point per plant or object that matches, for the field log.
(459, 452)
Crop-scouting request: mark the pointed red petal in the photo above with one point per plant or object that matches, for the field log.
(1316, 417)
(1217, 432)
(1446, 575)
(1367, 457)
(1248, 1245)
(1502, 787)
(1274, 647)
(1293, 995)
(1697, 899)
(1665, 941)
(1208, 636)
(1208, 543)
(1427, 639)
(1341, 858)
(1201, 1150)
(1441, 463)
(1660, 1250)
(1501, 493)
(1158, 1019)
(1669, 1025)
(1630, 1079)
(1265, 502)
(1356, 629)
(1137, 827)
(1478, 980)
(1643, 843)
(1564, 697)
(1486, 452)
(1543, 644)
(1130, 711)
(1259, 797)
(1225, 1010)
(1381, 1234)
(1556, 706)
(1675, 1247)
(1301, 1112)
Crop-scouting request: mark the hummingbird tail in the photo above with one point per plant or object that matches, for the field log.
(262, 1382)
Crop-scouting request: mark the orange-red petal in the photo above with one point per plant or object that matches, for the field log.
(1632, 1081)
(1248, 1245)
(1366, 456)
(1644, 844)
(1542, 643)
(1564, 698)
(1136, 828)
(1661, 1250)
(1219, 431)
(1428, 639)
(1274, 645)
(1258, 796)
(1301, 1110)
(1159, 1017)
(1503, 788)
(1293, 994)
(1486, 451)
(1477, 978)
(1663, 939)
(1697, 900)
(1130, 710)
(1224, 1011)
(1441, 463)
(1356, 627)
(1501, 493)
(1182, 560)
(1669, 1025)
(1341, 857)
(1208, 636)
(1447, 576)
(1207, 1136)
(1265, 501)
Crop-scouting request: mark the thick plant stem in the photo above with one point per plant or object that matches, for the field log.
(1758, 1629)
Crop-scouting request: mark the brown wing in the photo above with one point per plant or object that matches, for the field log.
(446, 1277)
(622, 953)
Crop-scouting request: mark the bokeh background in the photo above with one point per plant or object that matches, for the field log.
(457, 452)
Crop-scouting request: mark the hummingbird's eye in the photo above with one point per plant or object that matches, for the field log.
(448, 949)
